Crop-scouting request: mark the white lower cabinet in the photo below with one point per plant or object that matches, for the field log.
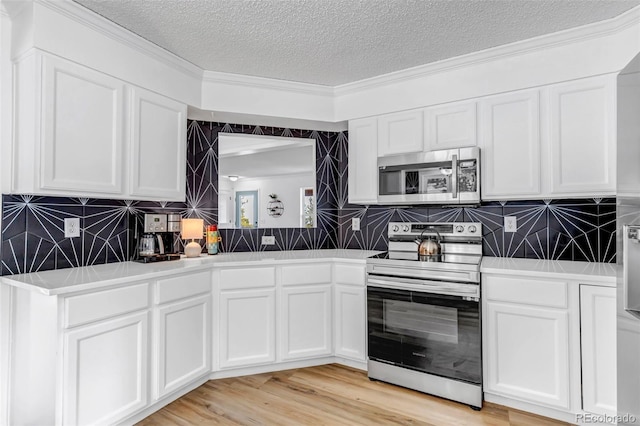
(184, 348)
(305, 321)
(598, 339)
(247, 327)
(105, 370)
(528, 353)
(350, 322)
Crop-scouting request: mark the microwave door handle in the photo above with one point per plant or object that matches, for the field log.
(454, 176)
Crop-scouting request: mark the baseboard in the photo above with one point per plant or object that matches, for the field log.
(531, 408)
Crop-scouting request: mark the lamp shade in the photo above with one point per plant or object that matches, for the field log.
(192, 229)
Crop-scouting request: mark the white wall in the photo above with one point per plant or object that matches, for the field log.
(288, 190)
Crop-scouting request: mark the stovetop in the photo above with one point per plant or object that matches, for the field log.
(450, 258)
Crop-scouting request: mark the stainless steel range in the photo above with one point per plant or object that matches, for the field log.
(423, 311)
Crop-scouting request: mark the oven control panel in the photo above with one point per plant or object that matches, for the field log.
(458, 229)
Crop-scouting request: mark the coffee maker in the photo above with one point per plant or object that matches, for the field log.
(157, 243)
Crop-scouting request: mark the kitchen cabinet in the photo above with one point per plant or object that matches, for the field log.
(183, 331)
(363, 161)
(598, 342)
(159, 133)
(76, 135)
(450, 126)
(106, 364)
(583, 137)
(350, 320)
(509, 128)
(400, 133)
(247, 330)
(305, 323)
(526, 335)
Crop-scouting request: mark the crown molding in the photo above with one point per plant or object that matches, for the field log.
(266, 83)
(546, 41)
(88, 18)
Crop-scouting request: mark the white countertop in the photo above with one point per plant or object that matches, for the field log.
(62, 281)
(589, 272)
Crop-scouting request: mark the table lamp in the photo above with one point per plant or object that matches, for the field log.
(192, 229)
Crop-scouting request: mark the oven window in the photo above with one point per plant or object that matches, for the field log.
(429, 322)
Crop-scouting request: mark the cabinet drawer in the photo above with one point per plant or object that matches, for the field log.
(306, 274)
(247, 278)
(350, 274)
(105, 304)
(527, 291)
(183, 286)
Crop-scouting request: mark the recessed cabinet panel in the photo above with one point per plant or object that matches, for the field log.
(400, 133)
(350, 322)
(83, 113)
(363, 161)
(583, 136)
(450, 126)
(247, 327)
(184, 348)
(528, 353)
(306, 318)
(598, 335)
(510, 142)
(106, 367)
(159, 133)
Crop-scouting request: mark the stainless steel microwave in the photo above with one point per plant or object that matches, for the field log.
(437, 177)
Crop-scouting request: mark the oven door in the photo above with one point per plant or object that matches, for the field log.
(434, 333)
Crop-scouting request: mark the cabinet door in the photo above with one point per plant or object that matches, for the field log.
(305, 322)
(400, 133)
(159, 149)
(583, 121)
(510, 143)
(105, 370)
(350, 322)
(183, 343)
(450, 126)
(82, 135)
(247, 327)
(598, 334)
(527, 353)
(363, 161)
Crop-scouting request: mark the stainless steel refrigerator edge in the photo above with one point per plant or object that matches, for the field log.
(628, 245)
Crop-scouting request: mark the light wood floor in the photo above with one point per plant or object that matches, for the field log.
(325, 395)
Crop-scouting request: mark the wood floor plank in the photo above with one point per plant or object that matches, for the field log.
(325, 395)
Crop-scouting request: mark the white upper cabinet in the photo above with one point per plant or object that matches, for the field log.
(400, 133)
(363, 161)
(159, 133)
(582, 136)
(82, 134)
(450, 126)
(510, 144)
(76, 135)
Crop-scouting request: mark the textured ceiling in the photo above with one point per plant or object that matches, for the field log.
(333, 42)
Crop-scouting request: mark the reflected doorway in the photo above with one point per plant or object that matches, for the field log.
(246, 209)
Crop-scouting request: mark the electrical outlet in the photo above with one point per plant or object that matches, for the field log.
(510, 224)
(355, 223)
(268, 240)
(71, 227)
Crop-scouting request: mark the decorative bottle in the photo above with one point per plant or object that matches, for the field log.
(212, 239)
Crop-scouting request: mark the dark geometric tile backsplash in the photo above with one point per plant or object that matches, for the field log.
(33, 238)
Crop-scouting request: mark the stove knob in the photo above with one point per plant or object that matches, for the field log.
(472, 228)
(395, 228)
(405, 228)
(459, 228)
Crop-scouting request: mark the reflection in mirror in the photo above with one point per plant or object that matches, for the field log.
(266, 181)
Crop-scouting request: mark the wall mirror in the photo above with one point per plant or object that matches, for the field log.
(266, 181)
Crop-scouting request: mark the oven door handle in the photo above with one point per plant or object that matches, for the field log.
(428, 286)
